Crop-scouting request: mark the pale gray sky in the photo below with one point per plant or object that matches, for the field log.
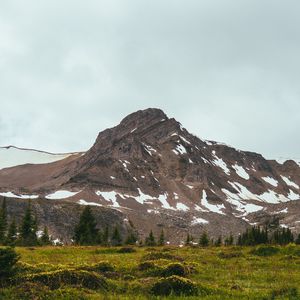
(228, 70)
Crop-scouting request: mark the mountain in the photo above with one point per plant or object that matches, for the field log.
(155, 173)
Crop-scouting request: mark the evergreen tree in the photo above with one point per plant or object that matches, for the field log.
(218, 242)
(229, 240)
(28, 229)
(45, 238)
(150, 240)
(297, 241)
(105, 237)
(204, 240)
(11, 238)
(116, 239)
(3, 221)
(86, 232)
(189, 239)
(131, 238)
(161, 240)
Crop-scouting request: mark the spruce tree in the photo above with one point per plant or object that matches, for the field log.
(3, 221)
(116, 239)
(218, 242)
(204, 241)
(161, 240)
(150, 239)
(11, 238)
(131, 238)
(28, 229)
(86, 232)
(105, 237)
(297, 241)
(45, 238)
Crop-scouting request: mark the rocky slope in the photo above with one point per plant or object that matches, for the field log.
(154, 172)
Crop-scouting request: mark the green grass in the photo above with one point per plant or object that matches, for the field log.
(218, 272)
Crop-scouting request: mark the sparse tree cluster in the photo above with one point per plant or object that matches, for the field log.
(23, 234)
(88, 233)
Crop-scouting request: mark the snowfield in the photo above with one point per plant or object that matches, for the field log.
(13, 156)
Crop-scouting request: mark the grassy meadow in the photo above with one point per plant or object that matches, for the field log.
(262, 272)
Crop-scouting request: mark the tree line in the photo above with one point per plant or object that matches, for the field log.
(87, 232)
(23, 234)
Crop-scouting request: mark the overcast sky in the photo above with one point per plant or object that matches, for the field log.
(228, 70)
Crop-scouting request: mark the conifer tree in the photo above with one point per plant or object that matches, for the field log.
(28, 229)
(86, 232)
(204, 241)
(218, 242)
(11, 237)
(189, 239)
(45, 238)
(150, 240)
(161, 240)
(131, 238)
(297, 241)
(3, 221)
(116, 239)
(105, 236)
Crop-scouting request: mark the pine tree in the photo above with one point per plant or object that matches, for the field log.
(150, 240)
(105, 237)
(11, 238)
(86, 232)
(161, 240)
(297, 241)
(45, 238)
(116, 239)
(131, 238)
(3, 221)
(28, 229)
(204, 241)
(218, 242)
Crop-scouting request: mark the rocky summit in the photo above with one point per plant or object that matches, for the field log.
(151, 172)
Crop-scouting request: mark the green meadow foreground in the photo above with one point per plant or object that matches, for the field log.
(262, 272)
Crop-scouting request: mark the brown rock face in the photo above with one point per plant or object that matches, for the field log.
(159, 175)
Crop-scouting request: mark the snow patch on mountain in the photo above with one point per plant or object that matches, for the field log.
(241, 171)
(13, 156)
(289, 182)
(216, 208)
(219, 162)
(180, 149)
(12, 195)
(271, 181)
(197, 221)
(61, 194)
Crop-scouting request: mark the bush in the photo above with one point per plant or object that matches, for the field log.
(100, 267)
(265, 250)
(227, 255)
(126, 250)
(8, 261)
(290, 292)
(161, 255)
(56, 279)
(145, 266)
(174, 285)
(174, 269)
(291, 249)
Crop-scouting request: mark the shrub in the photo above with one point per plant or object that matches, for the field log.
(147, 265)
(126, 250)
(56, 279)
(100, 267)
(290, 292)
(291, 249)
(265, 250)
(174, 285)
(226, 255)
(174, 269)
(8, 260)
(161, 255)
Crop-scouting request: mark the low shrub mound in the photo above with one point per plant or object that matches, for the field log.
(265, 250)
(286, 292)
(161, 255)
(126, 250)
(231, 254)
(100, 267)
(291, 249)
(56, 279)
(146, 265)
(174, 269)
(174, 285)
